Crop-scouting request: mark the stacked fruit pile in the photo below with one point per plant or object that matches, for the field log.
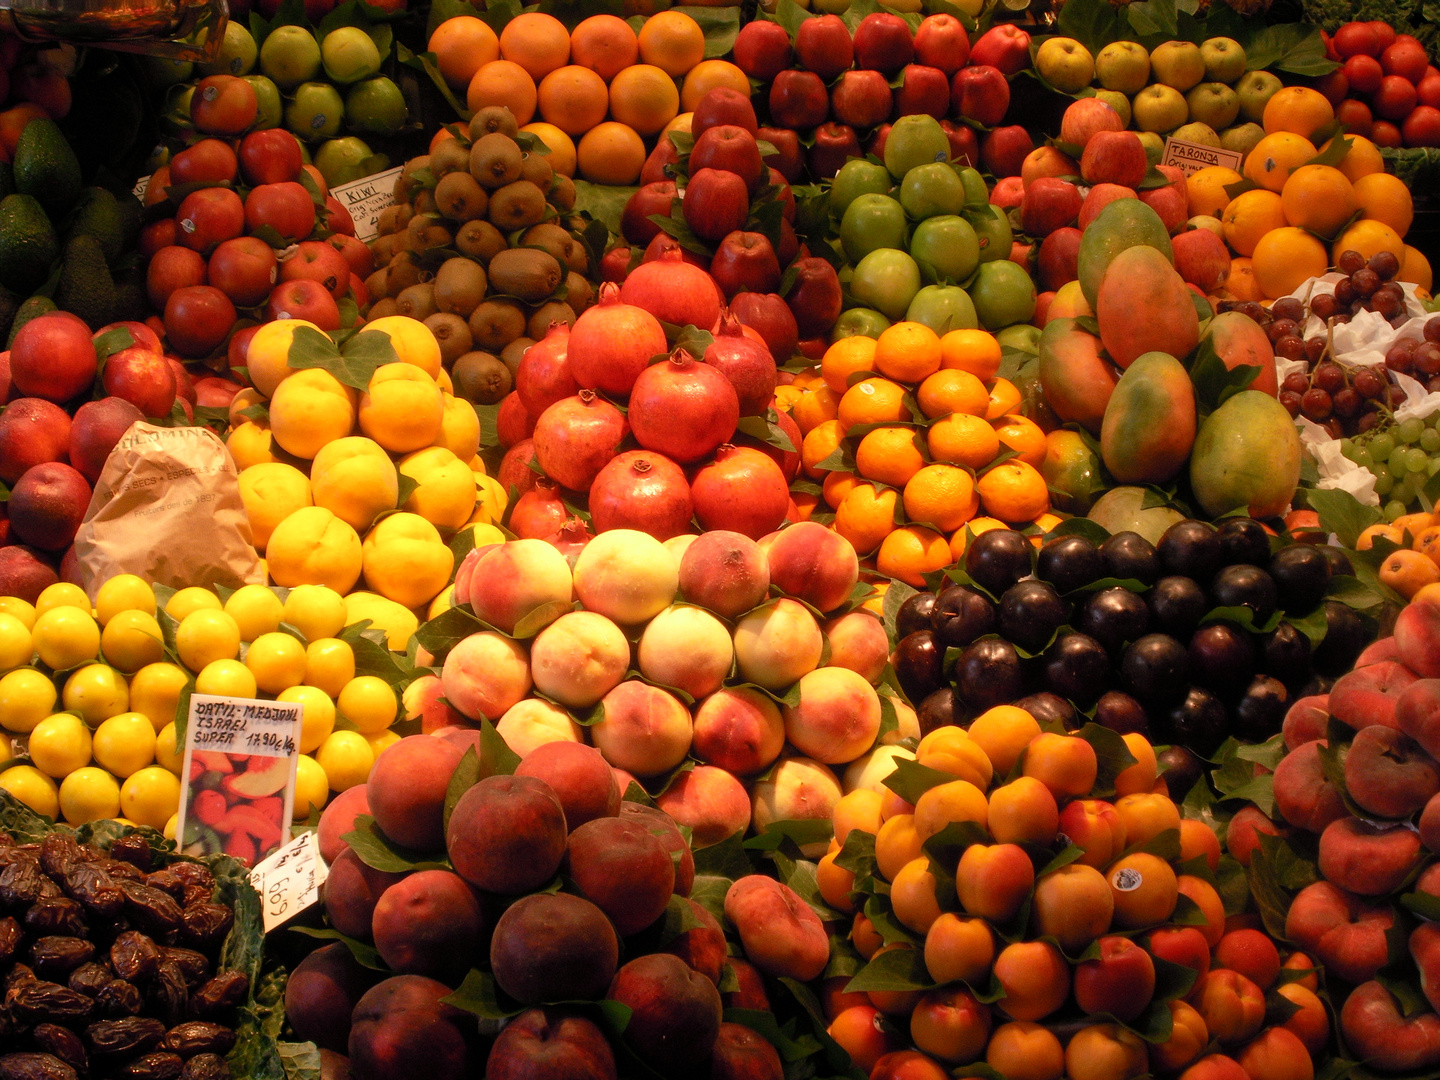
(1386, 89)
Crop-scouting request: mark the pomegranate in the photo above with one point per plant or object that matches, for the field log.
(574, 438)
(772, 317)
(642, 490)
(543, 376)
(683, 408)
(788, 460)
(513, 421)
(539, 512)
(664, 242)
(515, 474)
(673, 291)
(570, 539)
(745, 362)
(742, 491)
(612, 343)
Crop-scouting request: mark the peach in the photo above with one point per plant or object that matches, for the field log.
(858, 642)
(739, 729)
(548, 1042)
(406, 790)
(780, 934)
(1022, 1050)
(1145, 890)
(1335, 927)
(507, 834)
(1215, 1067)
(1003, 732)
(1034, 980)
(958, 949)
(1066, 764)
(580, 778)
(725, 572)
(485, 675)
(1369, 695)
(338, 819)
(857, 809)
(675, 1013)
(424, 700)
(623, 869)
(1388, 773)
(744, 1054)
(513, 579)
(1024, 811)
(813, 564)
(701, 947)
(1366, 858)
(24, 572)
(1241, 835)
(47, 505)
(321, 993)
(626, 575)
(837, 717)
(907, 1065)
(1430, 824)
(1417, 639)
(1252, 954)
(686, 648)
(1196, 840)
(751, 993)
(1120, 981)
(777, 643)
(32, 432)
(530, 724)
(1106, 1052)
(1378, 650)
(946, 804)
(644, 730)
(402, 1027)
(1095, 827)
(863, 1034)
(1376, 1032)
(1180, 945)
(1232, 1005)
(1305, 720)
(869, 771)
(428, 924)
(912, 895)
(950, 1025)
(1304, 797)
(708, 801)
(798, 788)
(992, 881)
(1074, 905)
(553, 947)
(1204, 896)
(579, 658)
(352, 890)
(1146, 816)
(907, 724)
(1425, 951)
(1310, 1022)
(1188, 1038)
(98, 426)
(951, 750)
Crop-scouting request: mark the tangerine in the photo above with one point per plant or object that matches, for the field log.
(671, 41)
(962, 439)
(710, 75)
(462, 46)
(1249, 216)
(1274, 156)
(1318, 198)
(1298, 110)
(1384, 197)
(942, 496)
(1013, 491)
(1284, 258)
(872, 401)
(539, 43)
(1023, 435)
(644, 97)
(573, 98)
(865, 516)
(908, 352)
(951, 390)
(610, 153)
(910, 552)
(844, 358)
(605, 44)
(505, 83)
(889, 455)
(975, 351)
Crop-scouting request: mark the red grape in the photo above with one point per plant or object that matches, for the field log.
(1329, 376)
(1291, 401)
(1385, 264)
(1349, 261)
(1315, 404)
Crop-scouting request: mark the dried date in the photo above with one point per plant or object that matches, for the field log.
(206, 1067)
(34, 1067)
(193, 965)
(199, 1037)
(121, 870)
(87, 979)
(125, 1037)
(59, 854)
(58, 955)
(49, 890)
(157, 1066)
(119, 998)
(57, 916)
(225, 991)
(97, 890)
(168, 883)
(18, 975)
(20, 882)
(205, 925)
(133, 849)
(193, 873)
(134, 956)
(150, 908)
(10, 938)
(168, 995)
(39, 1002)
(63, 1044)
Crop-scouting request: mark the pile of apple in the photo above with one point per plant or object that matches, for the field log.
(1386, 88)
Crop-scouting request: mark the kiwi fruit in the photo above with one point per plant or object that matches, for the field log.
(549, 237)
(496, 323)
(552, 311)
(527, 273)
(404, 270)
(480, 240)
(405, 184)
(495, 160)
(579, 293)
(418, 301)
(452, 334)
(382, 248)
(481, 377)
(427, 231)
(517, 206)
(492, 119)
(448, 156)
(382, 308)
(459, 286)
(423, 202)
(513, 353)
(562, 193)
(535, 168)
(460, 197)
(377, 284)
(393, 219)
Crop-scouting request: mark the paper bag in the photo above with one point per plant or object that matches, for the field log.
(168, 508)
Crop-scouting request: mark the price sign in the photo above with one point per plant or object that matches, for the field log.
(366, 198)
(1191, 157)
(289, 881)
(239, 771)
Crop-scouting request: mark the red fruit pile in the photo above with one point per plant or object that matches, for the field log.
(1386, 89)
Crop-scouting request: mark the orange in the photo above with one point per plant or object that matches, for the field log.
(815, 407)
(1249, 216)
(1241, 281)
(605, 44)
(1383, 197)
(538, 43)
(805, 505)
(462, 46)
(1023, 435)
(1004, 398)
(672, 41)
(845, 358)
(1362, 159)
(562, 147)
(1205, 190)
(1013, 491)
(889, 455)
(573, 98)
(961, 439)
(975, 351)
(1407, 572)
(1297, 109)
(971, 529)
(837, 485)
(440, 136)
(1275, 155)
(12, 123)
(681, 122)
(644, 97)
(1415, 268)
(908, 352)
(951, 390)
(610, 153)
(866, 516)
(942, 496)
(708, 75)
(1318, 198)
(872, 401)
(1368, 236)
(502, 82)
(819, 443)
(1286, 257)
(910, 552)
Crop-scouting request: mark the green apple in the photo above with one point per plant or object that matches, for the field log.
(1255, 89)
(975, 189)
(1003, 294)
(1160, 107)
(943, 308)
(1065, 64)
(290, 56)
(1224, 59)
(267, 97)
(164, 72)
(1123, 66)
(946, 248)
(1196, 132)
(992, 229)
(237, 53)
(339, 160)
(1117, 101)
(1022, 336)
(831, 7)
(376, 106)
(1242, 138)
(871, 222)
(1205, 221)
(1154, 147)
(931, 190)
(859, 322)
(887, 279)
(857, 177)
(316, 112)
(1178, 64)
(973, 8)
(349, 55)
(176, 118)
(1213, 103)
(914, 141)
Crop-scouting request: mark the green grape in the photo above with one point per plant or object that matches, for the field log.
(1394, 510)
(1362, 457)
(1416, 459)
(1347, 447)
(1433, 420)
(1409, 431)
(1382, 446)
(1433, 466)
(1383, 484)
(1430, 440)
(1397, 461)
(1405, 489)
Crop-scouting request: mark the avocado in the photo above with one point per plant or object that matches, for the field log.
(46, 167)
(7, 179)
(30, 309)
(28, 245)
(86, 288)
(98, 214)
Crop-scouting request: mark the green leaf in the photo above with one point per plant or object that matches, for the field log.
(801, 831)
(1342, 514)
(789, 15)
(1214, 382)
(442, 633)
(1093, 23)
(536, 619)
(898, 969)
(1111, 754)
(466, 775)
(478, 994)
(379, 852)
(1270, 899)
(365, 955)
(726, 860)
(1292, 47)
(910, 780)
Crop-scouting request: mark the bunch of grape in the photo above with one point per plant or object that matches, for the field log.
(1402, 456)
(1419, 357)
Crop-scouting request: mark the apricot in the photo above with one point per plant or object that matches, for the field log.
(912, 895)
(402, 1028)
(864, 936)
(1180, 945)
(873, 769)
(1196, 839)
(1074, 905)
(951, 750)
(1251, 953)
(894, 1002)
(1215, 1067)
(1232, 1005)
(1095, 827)
(1298, 961)
(1022, 1050)
(1024, 811)
(552, 947)
(835, 882)
(992, 881)
(1241, 838)
(406, 790)
(858, 809)
(1120, 981)
(907, 1065)
(428, 924)
(958, 949)
(1211, 906)
(1034, 980)
(1277, 1054)
(507, 834)
(1139, 777)
(1310, 1023)
(623, 869)
(864, 1035)
(1144, 888)
(1105, 1052)
(780, 933)
(950, 1025)
(1002, 732)
(1146, 816)
(1188, 1038)
(947, 804)
(1066, 764)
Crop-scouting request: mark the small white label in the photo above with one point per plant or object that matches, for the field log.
(141, 186)
(366, 199)
(289, 881)
(1191, 157)
(1127, 879)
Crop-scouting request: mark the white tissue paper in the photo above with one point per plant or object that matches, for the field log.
(1335, 469)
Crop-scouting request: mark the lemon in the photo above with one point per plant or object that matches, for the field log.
(317, 611)
(150, 796)
(21, 609)
(206, 635)
(346, 758)
(382, 741)
(167, 754)
(226, 678)
(96, 692)
(317, 716)
(123, 592)
(7, 749)
(16, 645)
(255, 609)
(33, 788)
(277, 661)
(369, 703)
(155, 691)
(312, 788)
(132, 639)
(89, 794)
(125, 744)
(65, 637)
(62, 594)
(27, 696)
(170, 824)
(329, 665)
(192, 599)
(60, 744)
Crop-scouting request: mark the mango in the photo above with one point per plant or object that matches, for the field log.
(1076, 379)
(1239, 341)
(1247, 454)
(1123, 509)
(1150, 422)
(1072, 471)
(1124, 223)
(1145, 306)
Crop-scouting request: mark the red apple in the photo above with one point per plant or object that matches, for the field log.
(318, 261)
(774, 178)
(1364, 73)
(156, 235)
(815, 298)
(789, 247)
(862, 98)
(762, 50)
(1003, 150)
(239, 347)
(141, 378)
(244, 269)
(833, 145)
(356, 253)
(223, 105)
(1114, 157)
(198, 319)
(1005, 46)
(615, 264)
(716, 203)
(358, 292)
(1049, 204)
(723, 105)
(798, 100)
(653, 198)
(789, 157)
(964, 146)
(823, 45)
(208, 161)
(745, 260)
(208, 217)
(883, 43)
(1201, 258)
(286, 207)
(1170, 204)
(1355, 115)
(980, 93)
(302, 298)
(922, 90)
(338, 219)
(1405, 58)
(1101, 196)
(1422, 127)
(771, 317)
(941, 42)
(172, 268)
(1008, 192)
(1047, 161)
(270, 157)
(141, 336)
(729, 148)
(1356, 39)
(318, 177)
(1059, 253)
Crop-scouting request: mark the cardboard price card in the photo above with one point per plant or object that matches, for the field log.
(289, 881)
(1191, 157)
(239, 770)
(366, 198)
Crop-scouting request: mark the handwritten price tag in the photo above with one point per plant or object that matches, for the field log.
(366, 198)
(289, 881)
(243, 725)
